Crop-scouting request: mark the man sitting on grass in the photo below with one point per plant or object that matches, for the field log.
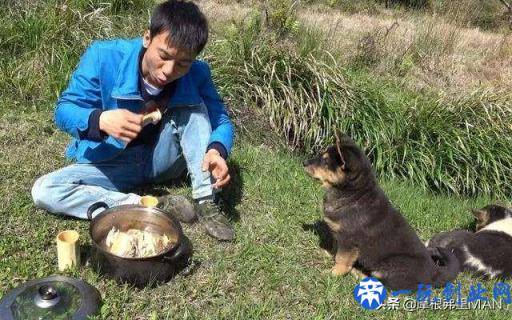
(114, 85)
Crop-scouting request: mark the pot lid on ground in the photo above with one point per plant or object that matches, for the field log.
(55, 297)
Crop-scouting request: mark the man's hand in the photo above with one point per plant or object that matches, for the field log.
(121, 124)
(216, 164)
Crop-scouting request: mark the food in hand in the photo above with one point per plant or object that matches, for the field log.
(152, 117)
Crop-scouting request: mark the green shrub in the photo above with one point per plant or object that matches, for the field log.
(280, 16)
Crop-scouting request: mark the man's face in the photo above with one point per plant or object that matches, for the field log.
(163, 63)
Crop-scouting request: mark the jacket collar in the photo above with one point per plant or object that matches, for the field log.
(126, 85)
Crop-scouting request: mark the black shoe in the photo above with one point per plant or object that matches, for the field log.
(214, 221)
(179, 206)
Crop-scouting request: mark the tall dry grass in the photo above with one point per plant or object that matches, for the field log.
(422, 51)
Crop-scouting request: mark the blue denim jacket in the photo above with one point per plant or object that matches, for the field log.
(107, 78)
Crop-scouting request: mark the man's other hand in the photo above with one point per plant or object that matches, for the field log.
(121, 124)
(218, 167)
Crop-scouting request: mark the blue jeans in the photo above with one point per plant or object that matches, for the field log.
(181, 145)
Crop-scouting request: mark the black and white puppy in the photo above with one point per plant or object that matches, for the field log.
(486, 252)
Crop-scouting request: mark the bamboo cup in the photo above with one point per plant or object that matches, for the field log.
(68, 249)
(148, 201)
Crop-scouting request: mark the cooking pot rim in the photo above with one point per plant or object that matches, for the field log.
(153, 210)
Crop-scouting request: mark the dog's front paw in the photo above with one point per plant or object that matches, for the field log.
(340, 270)
(358, 274)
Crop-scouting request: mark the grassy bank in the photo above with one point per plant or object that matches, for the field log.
(457, 144)
(451, 143)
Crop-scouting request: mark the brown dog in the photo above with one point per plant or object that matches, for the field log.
(368, 229)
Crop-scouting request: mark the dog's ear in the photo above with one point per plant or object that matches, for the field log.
(481, 215)
(338, 148)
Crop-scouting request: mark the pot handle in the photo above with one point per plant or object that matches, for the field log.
(94, 207)
(182, 250)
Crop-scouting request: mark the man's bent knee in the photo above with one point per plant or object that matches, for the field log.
(37, 193)
(42, 195)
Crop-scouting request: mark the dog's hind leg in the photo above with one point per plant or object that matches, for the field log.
(344, 260)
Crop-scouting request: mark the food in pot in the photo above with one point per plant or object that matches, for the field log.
(135, 243)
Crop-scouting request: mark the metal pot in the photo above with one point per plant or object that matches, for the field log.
(137, 271)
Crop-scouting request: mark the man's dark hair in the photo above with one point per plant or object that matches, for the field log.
(187, 26)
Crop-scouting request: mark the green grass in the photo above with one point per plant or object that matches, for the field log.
(274, 269)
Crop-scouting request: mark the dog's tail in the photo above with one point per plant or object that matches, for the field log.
(447, 263)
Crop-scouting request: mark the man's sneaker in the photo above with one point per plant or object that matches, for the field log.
(214, 221)
(179, 206)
